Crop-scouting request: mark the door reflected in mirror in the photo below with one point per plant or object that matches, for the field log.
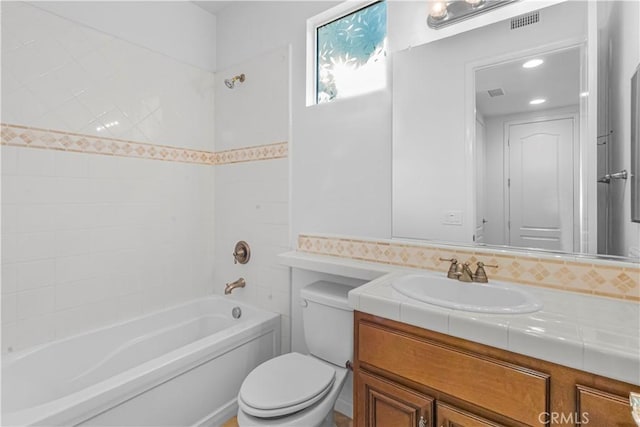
(527, 142)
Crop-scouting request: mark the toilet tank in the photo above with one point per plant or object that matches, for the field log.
(328, 321)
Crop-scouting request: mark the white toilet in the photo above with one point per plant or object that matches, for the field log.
(301, 390)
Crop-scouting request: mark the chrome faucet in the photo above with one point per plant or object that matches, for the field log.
(229, 287)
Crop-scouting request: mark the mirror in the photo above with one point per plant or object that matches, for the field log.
(501, 134)
(527, 147)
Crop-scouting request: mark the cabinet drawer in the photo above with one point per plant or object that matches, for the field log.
(602, 409)
(516, 392)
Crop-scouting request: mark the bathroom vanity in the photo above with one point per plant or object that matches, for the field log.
(418, 364)
(410, 376)
(572, 362)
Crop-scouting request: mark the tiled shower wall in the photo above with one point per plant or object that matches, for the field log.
(252, 198)
(88, 239)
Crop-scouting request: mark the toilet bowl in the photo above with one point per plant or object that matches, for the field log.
(308, 401)
(301, 390)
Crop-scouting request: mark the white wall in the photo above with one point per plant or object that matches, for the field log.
(252, 198)
(178, 29)
(340, 152)
(91, 239)
(624, 32)
(431, 174)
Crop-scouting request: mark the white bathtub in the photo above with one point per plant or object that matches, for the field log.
(175, 367)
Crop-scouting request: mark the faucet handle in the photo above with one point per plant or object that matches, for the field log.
(453, 272)
(480, 275)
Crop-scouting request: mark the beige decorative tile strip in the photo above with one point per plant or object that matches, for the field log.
(249, 154)
(568, 273)
(23, 136)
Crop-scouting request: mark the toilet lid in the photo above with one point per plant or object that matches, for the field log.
(285, 384)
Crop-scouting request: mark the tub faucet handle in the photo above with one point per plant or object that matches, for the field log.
(241, 252)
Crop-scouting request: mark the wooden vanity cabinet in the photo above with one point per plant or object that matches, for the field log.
(413, 377)
(385, 403)
(450, 416)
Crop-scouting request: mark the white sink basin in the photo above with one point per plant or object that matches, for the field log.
(494, 297)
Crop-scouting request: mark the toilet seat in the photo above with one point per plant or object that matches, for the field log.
(284, 385)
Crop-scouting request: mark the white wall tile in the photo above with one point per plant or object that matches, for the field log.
(36, 302)
(9, 308)
(92, 239)
(35, 274)
(36, 218)
(9, 278)
(71, 242)
(9, 217)
(78, 293)
(8, 336)
(72, 268)
(9, 157)
(35, 162)
(73, 78)
(35, 246)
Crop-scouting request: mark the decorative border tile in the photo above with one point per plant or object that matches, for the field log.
(24, 136)
(565, 273)
(276, 150)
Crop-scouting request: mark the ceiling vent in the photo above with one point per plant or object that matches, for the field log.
(495, 92)
(524, 20)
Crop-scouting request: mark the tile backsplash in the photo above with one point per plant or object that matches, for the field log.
(564, 272)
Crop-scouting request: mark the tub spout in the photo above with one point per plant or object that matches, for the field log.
(240, 283)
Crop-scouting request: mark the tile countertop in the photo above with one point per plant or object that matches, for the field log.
(594, 334)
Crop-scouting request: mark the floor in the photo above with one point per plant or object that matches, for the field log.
(340, 419)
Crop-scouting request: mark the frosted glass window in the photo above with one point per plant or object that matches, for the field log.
(351, 54)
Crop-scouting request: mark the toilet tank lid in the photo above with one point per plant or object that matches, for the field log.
(327, 293)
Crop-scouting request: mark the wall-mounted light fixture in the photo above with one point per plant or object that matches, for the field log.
(443, 13)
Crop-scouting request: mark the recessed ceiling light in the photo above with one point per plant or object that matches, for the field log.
(532, 63)
(537, 101)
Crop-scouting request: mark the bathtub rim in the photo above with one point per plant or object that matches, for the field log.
(14, 356)
(88, 402)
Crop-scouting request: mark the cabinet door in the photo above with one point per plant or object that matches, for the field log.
(383, 403)
(450, 416)
(602, 409)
